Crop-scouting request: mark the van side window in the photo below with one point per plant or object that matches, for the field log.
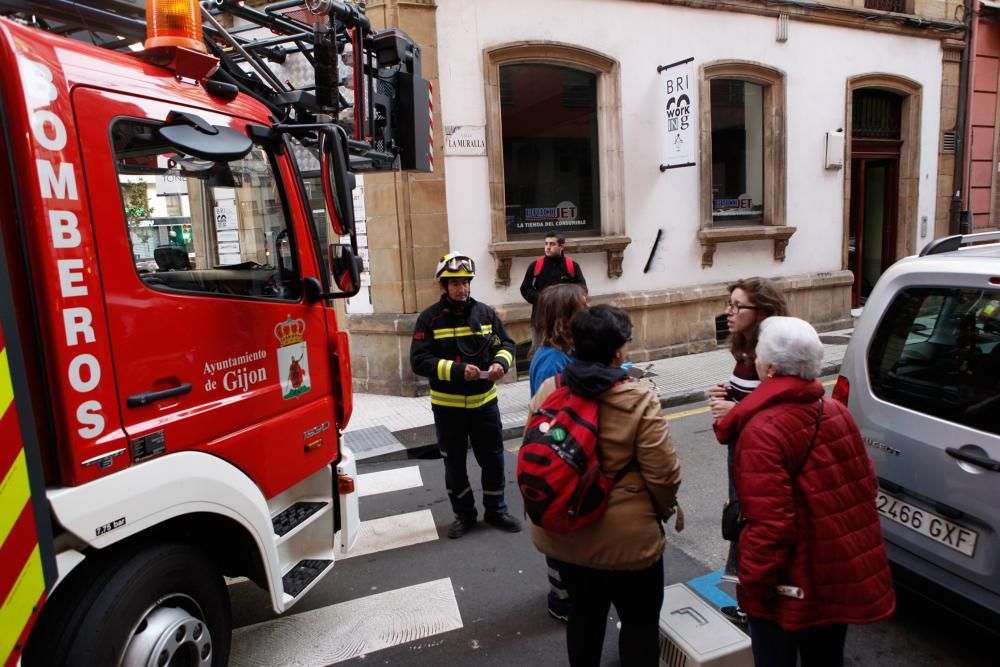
(937, 351)
(200, 226)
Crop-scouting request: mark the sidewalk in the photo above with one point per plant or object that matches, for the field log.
(396, 427)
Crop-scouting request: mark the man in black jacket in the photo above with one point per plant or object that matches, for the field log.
(462, 347)
(552, 268)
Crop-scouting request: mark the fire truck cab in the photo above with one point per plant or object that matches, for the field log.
(174, 237)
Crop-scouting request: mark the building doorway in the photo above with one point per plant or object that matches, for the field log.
(876, 147)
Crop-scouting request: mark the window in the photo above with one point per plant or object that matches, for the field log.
(737, 151)
(201, 226)
(743, 157)
(937, 351)
(550, 149)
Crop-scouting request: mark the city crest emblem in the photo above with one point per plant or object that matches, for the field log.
(293, 358)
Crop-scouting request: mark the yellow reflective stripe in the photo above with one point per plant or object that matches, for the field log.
(460, 401)
(20, 602)
(506, 356)
(444, 369)
(6, 388)
(459, 332)
(14, 494)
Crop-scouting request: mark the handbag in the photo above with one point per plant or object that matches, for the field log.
(732, 519)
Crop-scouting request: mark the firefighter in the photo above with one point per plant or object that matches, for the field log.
(462, 347)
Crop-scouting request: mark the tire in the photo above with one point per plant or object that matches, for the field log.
(158, 602)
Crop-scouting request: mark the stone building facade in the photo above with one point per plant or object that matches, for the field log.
(817, 149)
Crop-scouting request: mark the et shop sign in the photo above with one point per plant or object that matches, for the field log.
(469, 140)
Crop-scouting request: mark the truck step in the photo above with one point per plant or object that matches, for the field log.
(291, 517)
(300, 576)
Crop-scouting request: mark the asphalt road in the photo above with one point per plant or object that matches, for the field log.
(492, 586)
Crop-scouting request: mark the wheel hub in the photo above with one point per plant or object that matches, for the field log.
(169, 637)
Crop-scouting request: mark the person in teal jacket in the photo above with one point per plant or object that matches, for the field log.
(555, 308)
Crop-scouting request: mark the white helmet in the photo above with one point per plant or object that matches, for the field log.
(455, 265)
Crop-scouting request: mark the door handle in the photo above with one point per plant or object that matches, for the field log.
(147, 397)
(975, 459)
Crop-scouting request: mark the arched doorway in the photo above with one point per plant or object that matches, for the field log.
(875, 151)
(882, 183)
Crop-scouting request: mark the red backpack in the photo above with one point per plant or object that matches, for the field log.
(558, 469)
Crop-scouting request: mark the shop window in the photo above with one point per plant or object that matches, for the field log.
(550, 149)
(737, 151)
(743, 157)
(742, 171)
(554, 150)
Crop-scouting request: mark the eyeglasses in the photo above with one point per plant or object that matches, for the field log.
(737, 307)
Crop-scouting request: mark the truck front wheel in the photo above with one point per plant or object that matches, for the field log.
(161, 605)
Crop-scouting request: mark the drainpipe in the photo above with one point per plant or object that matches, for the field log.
(962, 127)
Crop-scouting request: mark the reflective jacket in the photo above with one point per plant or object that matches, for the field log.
(448, 337)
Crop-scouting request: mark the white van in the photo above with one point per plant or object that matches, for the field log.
(922, 378)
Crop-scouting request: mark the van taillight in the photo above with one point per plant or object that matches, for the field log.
(842, 390)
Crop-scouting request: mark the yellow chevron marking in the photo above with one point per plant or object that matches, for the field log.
(20, 602)
(6, 388)
(14, 494)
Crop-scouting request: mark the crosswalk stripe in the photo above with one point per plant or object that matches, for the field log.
(349, 629)
(393, 532)
(386, 481)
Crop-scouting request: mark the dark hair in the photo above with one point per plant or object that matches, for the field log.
(769, 300)
(555, 308)
(558, 236)
(599, 331)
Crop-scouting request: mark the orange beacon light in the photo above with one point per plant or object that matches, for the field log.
(174, 23)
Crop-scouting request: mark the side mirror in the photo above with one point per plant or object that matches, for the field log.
(345, 275)
(193, 135)
(338, 180)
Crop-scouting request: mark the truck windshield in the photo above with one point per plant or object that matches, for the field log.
(203, 226)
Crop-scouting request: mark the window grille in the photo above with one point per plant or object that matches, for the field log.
(887, 5)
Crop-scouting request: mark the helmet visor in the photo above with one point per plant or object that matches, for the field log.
(460, 264)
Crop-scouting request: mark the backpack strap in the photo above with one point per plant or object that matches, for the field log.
(570, 266)
(538, 265)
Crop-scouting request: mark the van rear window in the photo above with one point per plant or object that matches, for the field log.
(937, 351)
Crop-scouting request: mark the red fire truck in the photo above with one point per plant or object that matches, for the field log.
(176, 226)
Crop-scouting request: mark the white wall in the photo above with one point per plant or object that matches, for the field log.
(817, 61)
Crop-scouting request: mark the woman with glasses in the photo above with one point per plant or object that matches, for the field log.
(750, 302)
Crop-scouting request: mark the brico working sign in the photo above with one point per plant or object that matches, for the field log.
(676, 80)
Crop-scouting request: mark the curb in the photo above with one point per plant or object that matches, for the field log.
(421, 441)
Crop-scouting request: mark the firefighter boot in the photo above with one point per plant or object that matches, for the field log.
(503, 521)
(461, 525)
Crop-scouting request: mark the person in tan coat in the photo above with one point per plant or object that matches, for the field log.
(618, 559)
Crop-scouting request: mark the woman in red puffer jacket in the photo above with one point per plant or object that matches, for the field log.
(807, 492)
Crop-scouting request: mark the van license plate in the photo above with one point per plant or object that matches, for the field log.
(927, 523)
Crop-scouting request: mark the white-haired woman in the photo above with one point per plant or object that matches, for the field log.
(807, 494)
